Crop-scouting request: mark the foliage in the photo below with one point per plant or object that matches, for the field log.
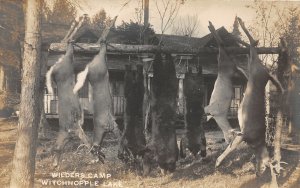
(262, 26)
(274, 20)
(235, 29)
(63, 12)
(132, 33)
(99, 20)
(292, 35)
(11, 37)
(46, 12)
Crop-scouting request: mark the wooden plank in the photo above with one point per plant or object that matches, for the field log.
(93, 48)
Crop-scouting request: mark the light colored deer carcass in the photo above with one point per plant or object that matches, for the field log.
(96, 73)
(70, 113)
(251, 114)
(223, 91)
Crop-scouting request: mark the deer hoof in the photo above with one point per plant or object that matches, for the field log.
(55, 163)
(96, 150)
(218, 162)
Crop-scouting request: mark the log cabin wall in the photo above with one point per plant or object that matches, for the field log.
(117, 61)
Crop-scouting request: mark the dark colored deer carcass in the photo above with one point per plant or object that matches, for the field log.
(133, 139)
(164, 88)
(194, 93)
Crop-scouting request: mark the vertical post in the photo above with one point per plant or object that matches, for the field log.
(2, 78)
(90, 93)
(43, 120)
(146, 13)
(180, 96)
(146, 20)
(283, 65)
(146, 104)
(268, 112)
(25, 150)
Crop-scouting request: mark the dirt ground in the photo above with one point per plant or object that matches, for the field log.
(236, 171)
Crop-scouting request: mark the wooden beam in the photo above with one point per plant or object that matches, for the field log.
(84, 48)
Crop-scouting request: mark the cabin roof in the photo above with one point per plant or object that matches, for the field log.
(185, 42)
(182, 42)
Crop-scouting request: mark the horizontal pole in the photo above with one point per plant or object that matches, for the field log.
(93, 48)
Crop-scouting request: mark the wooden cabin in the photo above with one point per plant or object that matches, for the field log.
(116, 65)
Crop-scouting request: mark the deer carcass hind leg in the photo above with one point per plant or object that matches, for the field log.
(262, 159)
(99, 131)
(237, 140)
(223, 123)
(59, 145)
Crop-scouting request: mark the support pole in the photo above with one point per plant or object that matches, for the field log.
(60, 48)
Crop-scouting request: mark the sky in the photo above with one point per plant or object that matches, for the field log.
(219, 12)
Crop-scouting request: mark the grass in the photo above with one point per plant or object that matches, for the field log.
(236, 171)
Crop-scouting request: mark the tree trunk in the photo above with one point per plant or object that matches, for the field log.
(283, 66)
(3, 95)
(25, 149)
(2, 79)
(294, 99)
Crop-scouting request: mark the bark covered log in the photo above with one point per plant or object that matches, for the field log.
(58, 48)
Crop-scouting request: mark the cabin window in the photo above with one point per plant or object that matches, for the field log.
(117, 88)
(236, 101)
(51, 101)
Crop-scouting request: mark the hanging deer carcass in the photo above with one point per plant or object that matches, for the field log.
(70, 113)
(194, 93)
(96, 73)
(223, 91)
(163, 146)
(133, 140)
(251, 113)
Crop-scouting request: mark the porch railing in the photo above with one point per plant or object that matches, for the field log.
(51, 105)
(233, 109)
